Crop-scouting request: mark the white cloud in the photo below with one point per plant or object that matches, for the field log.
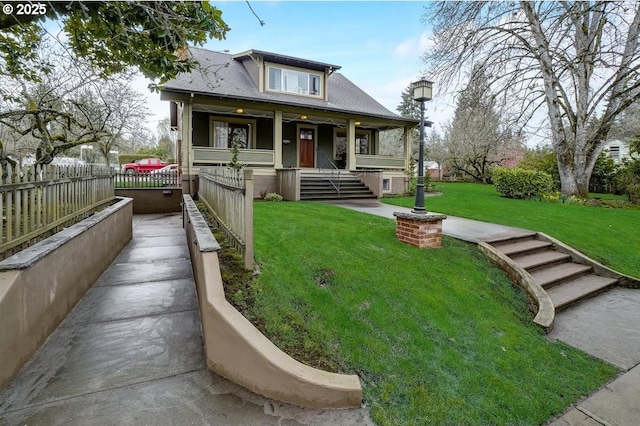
(413, 47)
(405, 49)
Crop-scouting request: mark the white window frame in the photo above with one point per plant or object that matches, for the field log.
(251, 123)
(283, 69)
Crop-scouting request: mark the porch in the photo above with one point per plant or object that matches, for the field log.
(268, 137)
(335, 182)
(208, 156)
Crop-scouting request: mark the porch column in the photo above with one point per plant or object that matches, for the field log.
(406, 140)
(277, 139)
(351, 144)
(188, 186)
(407, 147)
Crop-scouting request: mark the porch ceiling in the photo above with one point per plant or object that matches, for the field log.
(232, 110)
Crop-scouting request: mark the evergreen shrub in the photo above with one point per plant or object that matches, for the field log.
(522, 183)
(633, 192)
(272, 196)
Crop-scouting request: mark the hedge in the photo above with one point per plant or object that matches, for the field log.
(130, 158)
(521, 183)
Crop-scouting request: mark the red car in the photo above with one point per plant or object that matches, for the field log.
(144, 166)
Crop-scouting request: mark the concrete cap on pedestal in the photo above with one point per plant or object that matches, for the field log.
(427, 217)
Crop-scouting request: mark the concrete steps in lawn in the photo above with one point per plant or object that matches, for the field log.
(565, 280)
(577, 289)
(525, 245)
(550, 275)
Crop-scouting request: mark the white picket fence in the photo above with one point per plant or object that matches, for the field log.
(228, 195)
(35, 201)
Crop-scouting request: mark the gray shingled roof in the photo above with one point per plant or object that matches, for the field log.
(220, 75)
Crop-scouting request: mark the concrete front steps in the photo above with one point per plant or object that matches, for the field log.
(565, 277)
(325, 185)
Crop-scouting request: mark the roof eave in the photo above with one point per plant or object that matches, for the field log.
(397, 119)
(288, 60)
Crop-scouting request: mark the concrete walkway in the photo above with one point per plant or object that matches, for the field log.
(131, 353)
(606, 327)
(462, 229)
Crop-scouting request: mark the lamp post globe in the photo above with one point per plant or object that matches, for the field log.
(422, 92)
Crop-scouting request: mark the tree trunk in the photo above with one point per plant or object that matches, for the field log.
(575, 172)
(583, 174)
(568, 183)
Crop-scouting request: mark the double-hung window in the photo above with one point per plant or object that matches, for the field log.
(227, 134)
(364, 143)
(294, 81)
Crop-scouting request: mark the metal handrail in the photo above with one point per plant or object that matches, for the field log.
(337, 188)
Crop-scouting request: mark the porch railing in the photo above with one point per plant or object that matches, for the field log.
(380, 162)
(253, 157)
(333, 170)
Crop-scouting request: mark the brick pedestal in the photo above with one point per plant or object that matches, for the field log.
(420, 230)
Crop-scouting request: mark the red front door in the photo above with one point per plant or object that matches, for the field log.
(307, 148)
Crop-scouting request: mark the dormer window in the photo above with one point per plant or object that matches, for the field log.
(296, 81)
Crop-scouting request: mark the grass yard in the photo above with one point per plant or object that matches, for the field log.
(436, 336)
(610, 236)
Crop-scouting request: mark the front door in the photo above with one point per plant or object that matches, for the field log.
(307, 148)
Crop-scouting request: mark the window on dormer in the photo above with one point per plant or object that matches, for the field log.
(294, 81)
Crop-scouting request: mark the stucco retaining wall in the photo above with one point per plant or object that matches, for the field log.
(372, 179)
(40, 285)
(263, 184)
(153, 200)
(399, 185)
(288, 184)
(236, 350)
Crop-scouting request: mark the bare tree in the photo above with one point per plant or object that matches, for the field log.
(478, 137)
(392, 143)
(55, 114)
(69, 105)
(627, 126)
(437, 150)
(580, 60)
(121, 111)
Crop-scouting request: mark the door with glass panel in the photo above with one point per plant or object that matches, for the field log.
(306, 146)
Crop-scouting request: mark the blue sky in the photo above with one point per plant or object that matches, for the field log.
(378, 44)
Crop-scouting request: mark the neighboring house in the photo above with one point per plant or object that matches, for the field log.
(284, 113)
(617, 150)
(433, 169)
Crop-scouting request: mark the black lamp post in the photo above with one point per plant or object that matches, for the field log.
(422, 92)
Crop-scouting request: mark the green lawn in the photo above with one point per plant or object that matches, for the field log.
(437, 336)
(610, 236)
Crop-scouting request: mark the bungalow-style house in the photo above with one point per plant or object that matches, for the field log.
(283, 113)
